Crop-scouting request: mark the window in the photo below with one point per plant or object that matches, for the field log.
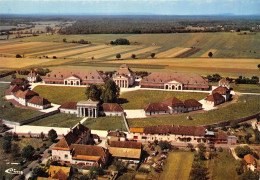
(61, 76)
(66, 156)
(48, 75)
(86, 77)
(92, 77)
(153, 80)
(55, 75)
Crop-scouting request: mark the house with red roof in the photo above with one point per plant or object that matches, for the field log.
(224, 83)
(124, 77)
(175, 105)
(23, 97)
(215, 99)
(156, 108)
(39, 102)
(251, 162)
(224, 91)
(111, 109)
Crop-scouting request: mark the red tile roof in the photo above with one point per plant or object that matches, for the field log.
(25, 94)
(173, 102)
(112, 107)
(156, 107)
(39, 101)
(126, 144)
(221, 90)
(116, 134)
(250, 159)
(215, 97)
(19, 82)
(87, 150)
(69, 105)
(13, 89)
(192, 103)
(125, 70)
(221, 136)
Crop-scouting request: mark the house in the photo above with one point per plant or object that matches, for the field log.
(116, 136)
(124, 77)
(69, 107)
(23, 97)
(175, 105)
(175, 81)
(33, 77)
(192, 105)
(250, 162)
(126, 151)
(215, 99)
(59, 172)
(111, 109)
(224, 82)
(195, 134)
(224, 91)
(12, 90)
(20, 82)
(75, 148)
(39, 102)
(74, 77)
(156, 108)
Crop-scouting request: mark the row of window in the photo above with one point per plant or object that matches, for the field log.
(61, 76)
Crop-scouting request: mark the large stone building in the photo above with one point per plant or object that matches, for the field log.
(124, 77)
(175, 81)
(74, 77)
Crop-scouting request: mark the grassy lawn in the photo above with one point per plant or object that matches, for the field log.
(178, 166)
(230, 112)
(222, 167)
(139, 99)
(106, 123)
(58, 120)
(246, 88)
(59, 95)
(14, 113)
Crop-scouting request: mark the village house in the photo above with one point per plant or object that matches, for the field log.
(20, 82)
(75, 148)
(126, 151)
(33, 77)
(124, 77)
(224, 91)
(224, 82)
(175, 105)
(39, 102)
(74, 77)
(116, 136)
(69, 107)
(22, 97)
(111, 109)
(175, 81)
(215, 99)
(192, 105)
(156, 108)
(250, 162)
(12, 90)
(194, 134)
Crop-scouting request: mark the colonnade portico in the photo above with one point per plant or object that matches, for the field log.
(173, 86)
(88, 108)
(122, 83)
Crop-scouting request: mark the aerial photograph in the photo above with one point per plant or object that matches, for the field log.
(129, 90)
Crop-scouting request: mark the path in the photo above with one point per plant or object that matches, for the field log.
(257, 94)
(4, 82)
(234, 154)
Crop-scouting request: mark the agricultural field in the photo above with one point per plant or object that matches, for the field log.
(178, 166)
(141, 98)
(106, 123)
(59, 95)
(244, 106)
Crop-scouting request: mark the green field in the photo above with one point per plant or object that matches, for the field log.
(106, 123)
(60, 95)
(141, 98)
(222, 167)
(58, 120)
(246, 105)
(13, 113)
(178, 166)
(246, 88)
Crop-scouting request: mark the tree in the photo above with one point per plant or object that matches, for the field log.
(93, 91)
(40, 171)
(15, 149)
(28, 152)
(249, 175)
(118, 56)
(18, 56)
(190, 146)
(95, 171)
(202, 151)
(110, 92)
(7, 146)
(239, 167)
(210, 54)
(52, 135)
(198, 171)
(258, 66)
(133, 56)
(42, 136)
(152, 55)
(241, 151)
(64, 40)
(165, 145)
(120, 42)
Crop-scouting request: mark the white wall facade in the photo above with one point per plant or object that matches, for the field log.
(69, 111)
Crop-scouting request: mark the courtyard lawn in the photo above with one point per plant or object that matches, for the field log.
(246, 88)
(222, 167)
(58, 120)
(178, 166)
(141, 98)
(12, 113)
(106, 123)
(59, 95)
(246, 105)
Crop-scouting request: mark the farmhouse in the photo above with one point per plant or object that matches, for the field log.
(250, 162)
(116, 136)
(156, 108)
(20, 82)
(215, 99)
(33, 77)
(111, 109)
(195, 134)
(12, 90)
(175, 105)
(224, 91)
(126, 151)
(224, 82)
(74, 77)
(124, 77)
(192, 105)
(23, 97)
(174, 81)
(39, 102)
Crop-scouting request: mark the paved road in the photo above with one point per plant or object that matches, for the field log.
(4, 82)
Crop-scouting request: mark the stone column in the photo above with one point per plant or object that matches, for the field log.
(84, 112)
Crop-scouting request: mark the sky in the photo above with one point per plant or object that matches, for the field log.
(131, 7)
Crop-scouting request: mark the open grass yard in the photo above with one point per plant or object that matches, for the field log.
(58, 120)
(11, 112)
(246, 88)
(246, 105)
(106, 123)
(141, 98)
(222, 167)
(178, 166)
(59, 95)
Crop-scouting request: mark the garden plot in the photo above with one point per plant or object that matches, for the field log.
(169, 53)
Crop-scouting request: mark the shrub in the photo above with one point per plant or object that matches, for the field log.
(18, 56)
(241, 151)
